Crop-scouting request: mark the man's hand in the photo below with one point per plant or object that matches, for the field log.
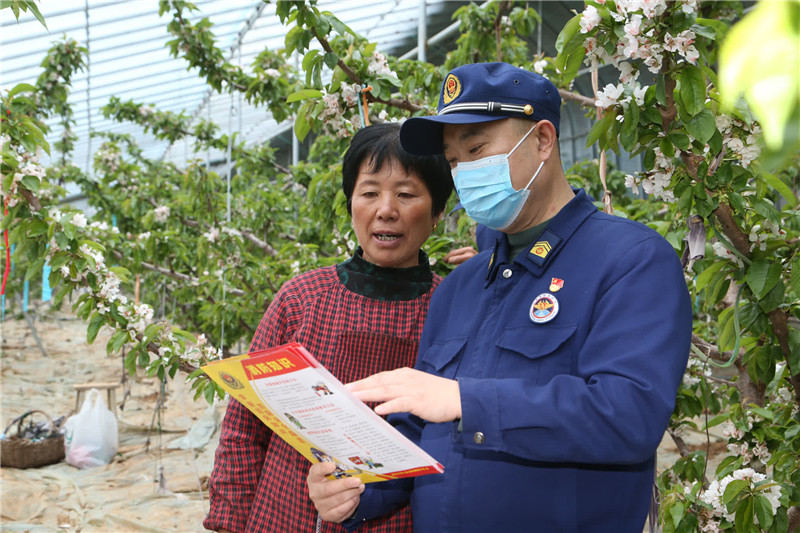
(406, 390)
(459, 255)
(335, 499)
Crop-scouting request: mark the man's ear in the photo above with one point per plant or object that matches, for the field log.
(548, 139)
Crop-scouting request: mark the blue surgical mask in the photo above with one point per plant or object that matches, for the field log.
(485, 190)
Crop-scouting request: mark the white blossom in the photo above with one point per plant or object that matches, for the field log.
(590, 19)
(79, 220)
(378, 65)
(350, 94)
(626, 72)
(212, 234)
(638, 94)
(231, 231)
(609, 95)
(161, 213)
(721, 251)
(713, 495)
(632, 183)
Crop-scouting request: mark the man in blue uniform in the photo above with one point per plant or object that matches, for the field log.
(548, 365)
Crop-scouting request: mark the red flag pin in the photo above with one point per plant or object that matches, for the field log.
(556, 284)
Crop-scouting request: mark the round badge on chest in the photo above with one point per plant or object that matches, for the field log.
(544, 308)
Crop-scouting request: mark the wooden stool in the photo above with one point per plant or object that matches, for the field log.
(111, 391)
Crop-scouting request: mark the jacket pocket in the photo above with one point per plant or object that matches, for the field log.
(539, 353)
(442, 358)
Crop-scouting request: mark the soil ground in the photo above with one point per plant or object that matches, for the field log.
(148, 487)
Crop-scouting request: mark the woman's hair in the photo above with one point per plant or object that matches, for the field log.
(379, 145)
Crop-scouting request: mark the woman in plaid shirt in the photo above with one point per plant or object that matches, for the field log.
(359, 317)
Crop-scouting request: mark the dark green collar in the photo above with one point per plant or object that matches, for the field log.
(379, 283)
(522, 240)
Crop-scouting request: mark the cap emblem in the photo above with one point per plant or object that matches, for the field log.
(451, 88)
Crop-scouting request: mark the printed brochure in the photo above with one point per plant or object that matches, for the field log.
(310, 409)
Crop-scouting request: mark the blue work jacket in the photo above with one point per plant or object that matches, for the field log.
(568, 359)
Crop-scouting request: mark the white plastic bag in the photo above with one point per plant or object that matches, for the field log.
(90, 437)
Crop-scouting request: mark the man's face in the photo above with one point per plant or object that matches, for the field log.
(467, 142)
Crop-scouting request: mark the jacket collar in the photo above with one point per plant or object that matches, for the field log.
(547, 246)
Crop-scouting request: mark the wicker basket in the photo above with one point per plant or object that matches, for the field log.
(20, 452)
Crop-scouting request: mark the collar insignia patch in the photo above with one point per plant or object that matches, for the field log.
(541, 248)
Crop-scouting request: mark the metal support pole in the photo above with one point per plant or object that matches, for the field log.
(88, 91)
(422, 31)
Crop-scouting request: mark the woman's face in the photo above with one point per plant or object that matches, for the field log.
(392, 215)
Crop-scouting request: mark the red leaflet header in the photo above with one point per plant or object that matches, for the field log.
(270, 363)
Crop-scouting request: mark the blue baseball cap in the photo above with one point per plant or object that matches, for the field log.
(482, 92)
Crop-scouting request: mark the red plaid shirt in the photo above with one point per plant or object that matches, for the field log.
(259, 482)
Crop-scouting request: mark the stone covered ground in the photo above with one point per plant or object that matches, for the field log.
(153, 484)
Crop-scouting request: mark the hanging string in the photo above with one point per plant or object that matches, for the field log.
(8, 253)
(365, 118)
(607, 207)
(361, 112)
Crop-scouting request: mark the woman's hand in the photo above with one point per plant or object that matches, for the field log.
(336, 500)
(459, 255)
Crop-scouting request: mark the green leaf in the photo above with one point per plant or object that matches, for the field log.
(116, 341)
(93, 244)
(727, 330)
(744, 515)
(630, 127)
(661, 92)
(36, 13)
(21, 87)
(600, 128)
(330, 59)
(37, 227)
(764, 413)
(733, 490)
(122, 273)
(185, 334)
(705, 276)
(680, 140)
(305, 94)
(762, 276)
(693, 89)
(795, 279)
(567, 35)
(719, 27)
(31, 183)
(702, 126)
(781, 187)
(773, 298)
(572, 63)
(308, 59)
(94, 326)
(337, 24)
(34, 268)
(301, 125)
(676, 512)
(209, 393)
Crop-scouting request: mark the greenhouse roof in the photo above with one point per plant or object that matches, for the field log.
(129, 59)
